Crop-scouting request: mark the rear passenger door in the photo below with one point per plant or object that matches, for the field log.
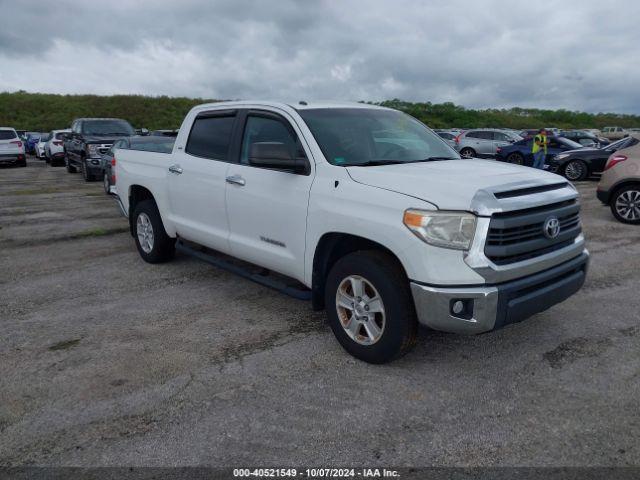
(267, 208)
(196, 180)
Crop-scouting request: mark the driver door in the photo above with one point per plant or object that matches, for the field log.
(267, 208)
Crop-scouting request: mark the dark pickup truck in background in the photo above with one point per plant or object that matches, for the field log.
(88, 140)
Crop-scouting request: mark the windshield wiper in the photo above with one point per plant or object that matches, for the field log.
(374, 163)
(433, 159)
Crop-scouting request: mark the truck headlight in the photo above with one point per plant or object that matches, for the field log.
(92, 150)
(442, 229)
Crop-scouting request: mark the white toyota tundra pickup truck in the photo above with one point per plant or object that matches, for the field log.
(365, 211)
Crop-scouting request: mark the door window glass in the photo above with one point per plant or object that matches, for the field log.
(262, 129)
(210, 137)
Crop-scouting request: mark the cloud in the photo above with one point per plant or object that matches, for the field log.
(578, 55)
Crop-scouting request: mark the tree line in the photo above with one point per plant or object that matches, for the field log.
(45, 112)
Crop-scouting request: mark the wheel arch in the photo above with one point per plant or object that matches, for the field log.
(330, 248)
(139, 193)
(627, 182)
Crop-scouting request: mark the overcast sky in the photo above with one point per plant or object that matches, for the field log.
(579, 55)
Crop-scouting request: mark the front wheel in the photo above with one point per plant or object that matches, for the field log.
(370, 307)
(67, 164)
(106, 184)
(576, 170)
(154, 245)
(625, 205)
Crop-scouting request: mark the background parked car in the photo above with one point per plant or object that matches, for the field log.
(584, 138)
(614, 133)
(54, 147)
(619, 185)
(39, 146)
(164, 133)
(520, 152)
(152, 143)
(582, 163)
(11, 148)
(483, 142)
(32, 139)
(88, 140)
(448, 137)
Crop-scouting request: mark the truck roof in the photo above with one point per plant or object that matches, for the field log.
(300, 105)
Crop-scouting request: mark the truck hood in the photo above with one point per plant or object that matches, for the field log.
(452, 184)
(102, 138)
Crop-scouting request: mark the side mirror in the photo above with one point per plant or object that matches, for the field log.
(275, 155)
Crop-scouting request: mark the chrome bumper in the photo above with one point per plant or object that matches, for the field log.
(494, 306)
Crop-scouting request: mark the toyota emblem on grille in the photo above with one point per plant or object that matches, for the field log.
(551, 227)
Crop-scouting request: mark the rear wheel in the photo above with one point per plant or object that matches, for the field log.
(154, 245)
(625, 204)
(105, 183)
(515, 158)
(370, 307)
(467, 153)
(576, 170)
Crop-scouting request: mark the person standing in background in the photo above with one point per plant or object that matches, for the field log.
(539, 149)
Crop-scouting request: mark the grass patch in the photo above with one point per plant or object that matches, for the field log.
(36, 191)
(65, 345)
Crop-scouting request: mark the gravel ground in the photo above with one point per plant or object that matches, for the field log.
(107, 360)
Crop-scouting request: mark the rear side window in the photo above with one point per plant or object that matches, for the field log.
(7, 134)
(210, 137)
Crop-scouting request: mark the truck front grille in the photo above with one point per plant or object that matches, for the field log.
(520, 235)
(104, 148)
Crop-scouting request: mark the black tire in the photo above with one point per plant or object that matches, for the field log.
(163, 246)
(384, 273)
(105, 183)
(575, 170)
(23, 164)
(67, 164)
(467, 152)
(629, 192)
(84, 171)
(515, 158)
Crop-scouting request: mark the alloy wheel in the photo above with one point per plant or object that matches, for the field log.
(574, 170)
(628, 205)
(144, 230)
(360, 310)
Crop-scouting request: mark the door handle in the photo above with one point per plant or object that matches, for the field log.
(236, 180)
(175, 169)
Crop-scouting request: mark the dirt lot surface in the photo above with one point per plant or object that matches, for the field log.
(107, 360)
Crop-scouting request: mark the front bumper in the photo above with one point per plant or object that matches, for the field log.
(603, 196)
(94, 166)
(489, 307)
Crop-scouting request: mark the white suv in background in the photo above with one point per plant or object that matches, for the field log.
(39, 147)
(54, 147)
(11, 148)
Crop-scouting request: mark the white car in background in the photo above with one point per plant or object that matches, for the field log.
(39, 147)
(54, 147)
(11, 148)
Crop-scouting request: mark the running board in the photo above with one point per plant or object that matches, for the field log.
(299, 293)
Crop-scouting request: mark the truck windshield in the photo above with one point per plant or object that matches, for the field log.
(107, 127)
(368, 136)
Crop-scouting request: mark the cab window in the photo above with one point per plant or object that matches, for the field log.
(210, 136)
